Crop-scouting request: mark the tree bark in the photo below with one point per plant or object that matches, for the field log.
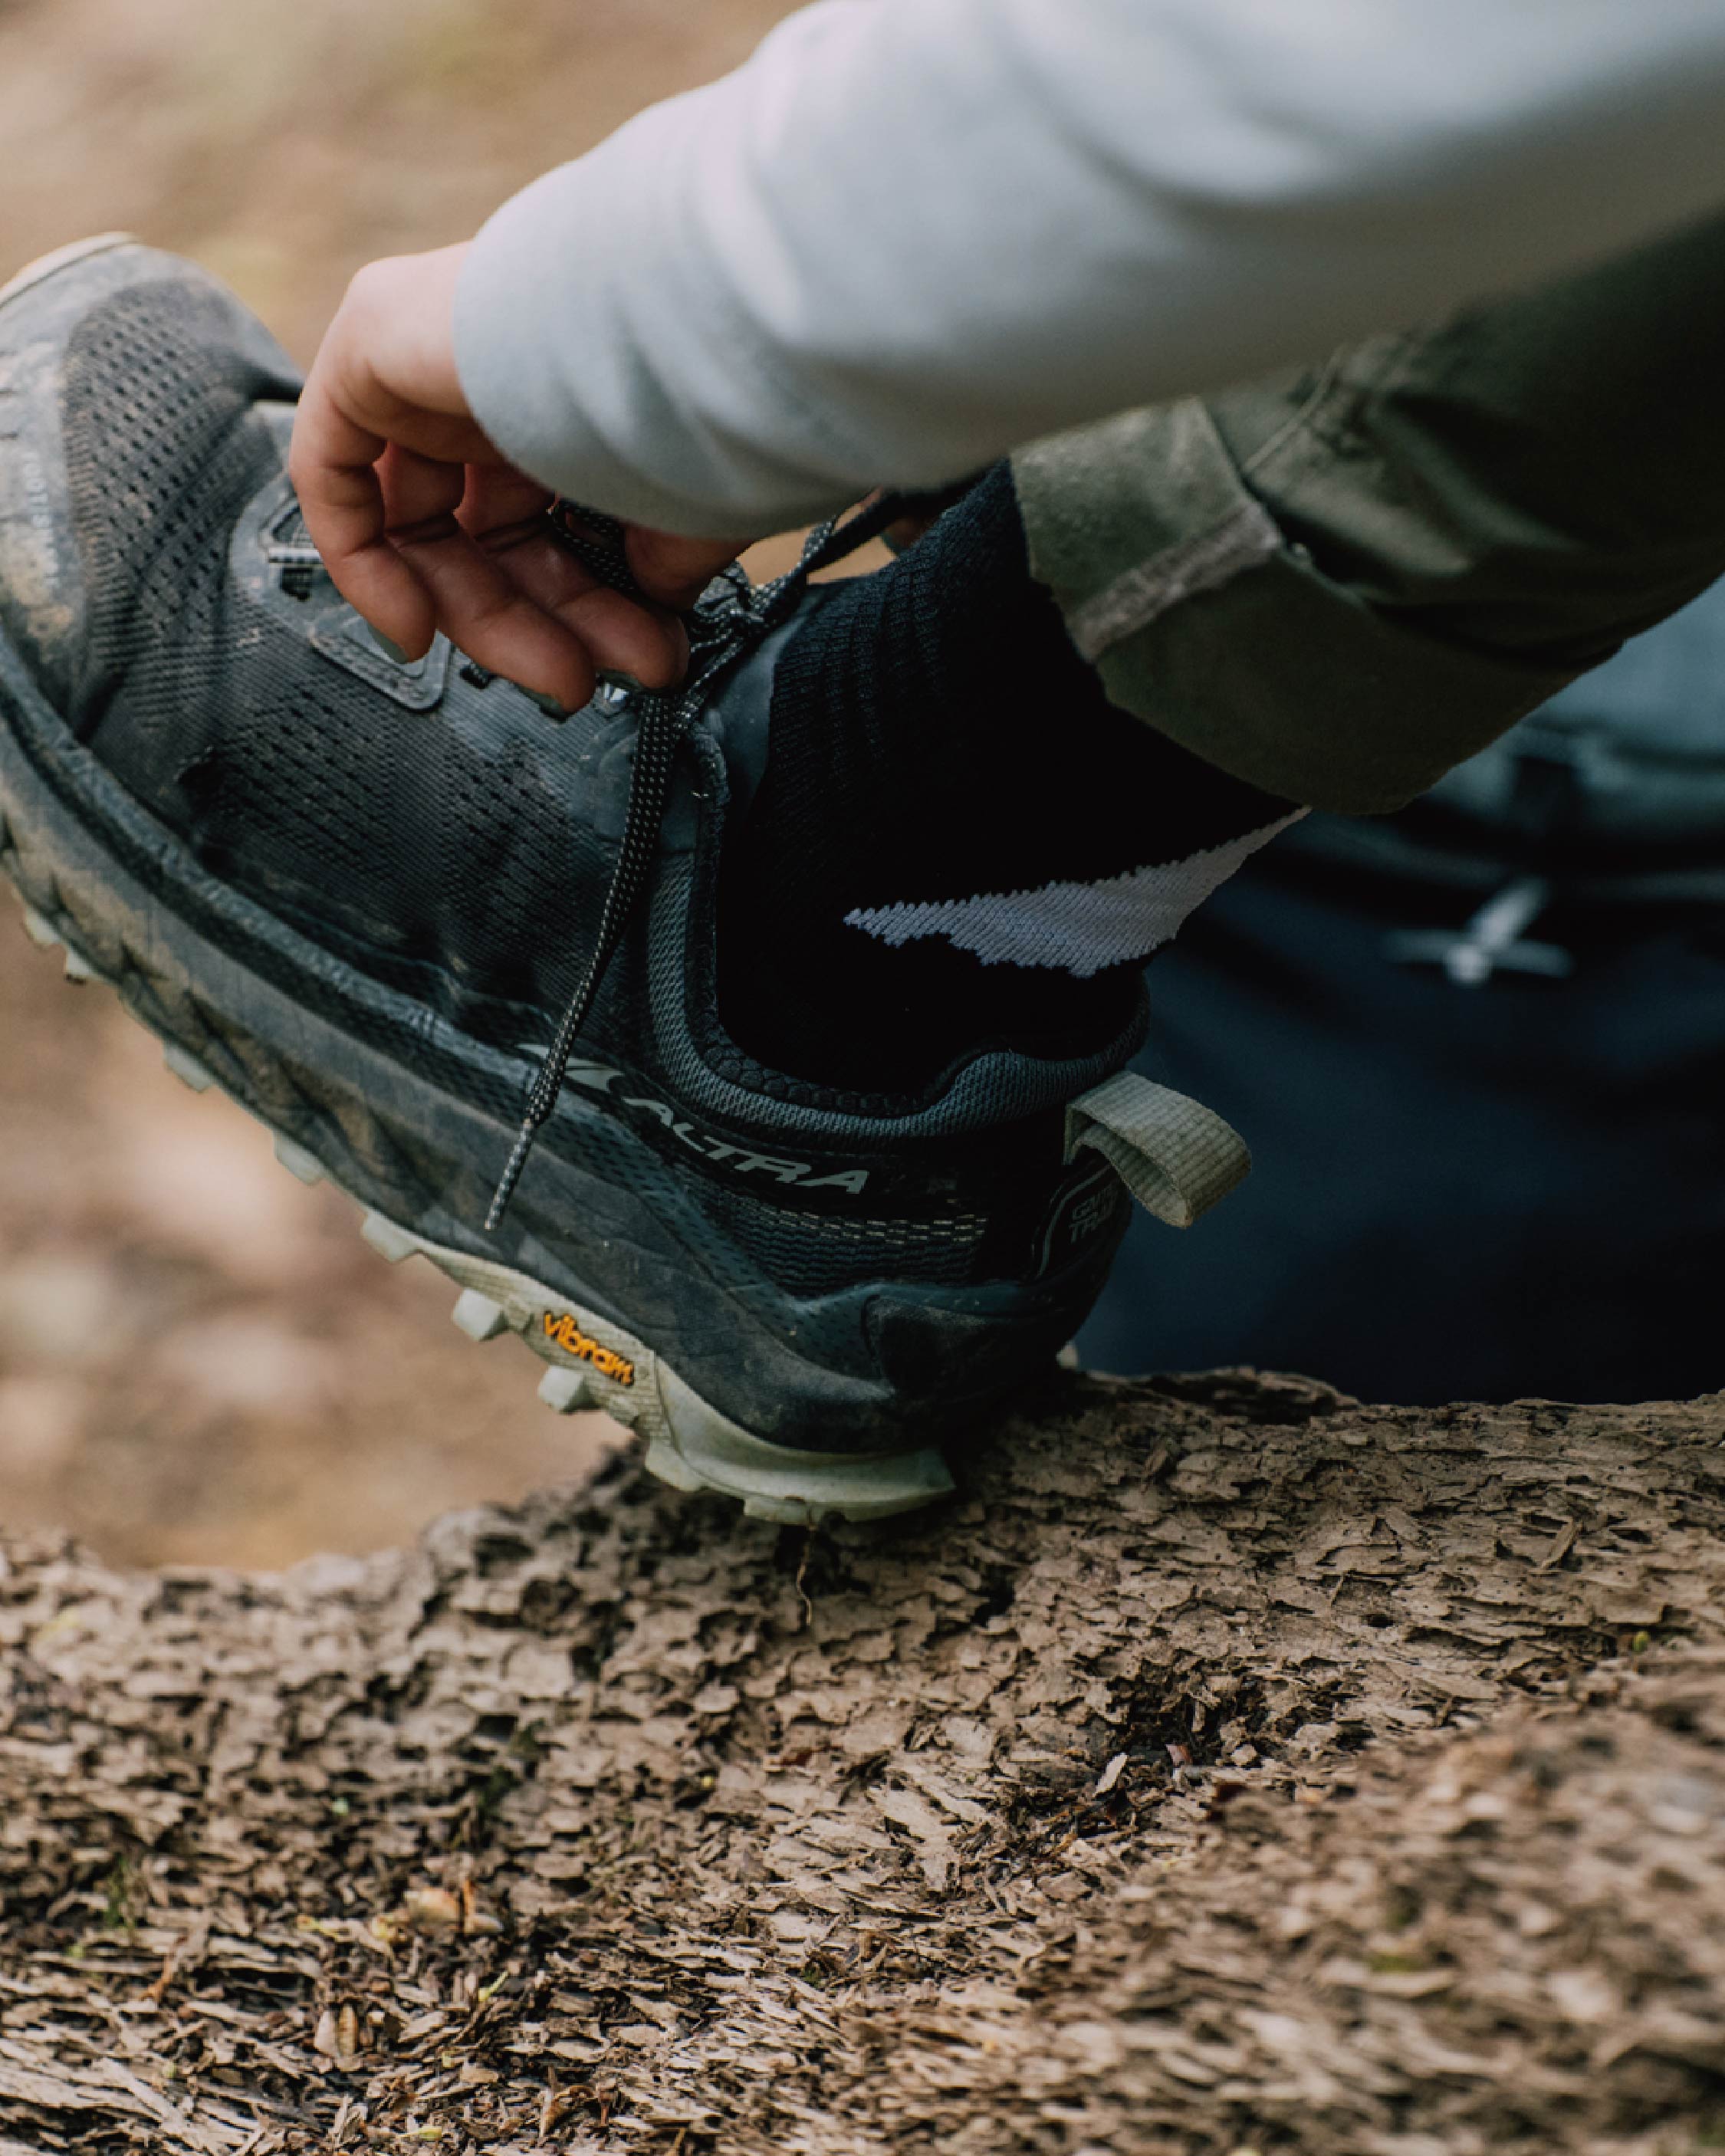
(1229, 1767)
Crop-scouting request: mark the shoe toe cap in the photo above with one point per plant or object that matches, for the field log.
(98, 343)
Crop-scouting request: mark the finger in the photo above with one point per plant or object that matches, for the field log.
(332, 463)
(624, 637)
(619, 633)
(418, 490)
(674, 570)
(481, 609)
(904, 531)
(504, 512)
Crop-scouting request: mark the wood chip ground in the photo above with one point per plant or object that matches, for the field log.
(1230, 1768)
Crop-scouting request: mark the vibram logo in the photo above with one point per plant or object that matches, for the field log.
(567, 1334)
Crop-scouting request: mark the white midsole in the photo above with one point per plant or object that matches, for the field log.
(689, 1442)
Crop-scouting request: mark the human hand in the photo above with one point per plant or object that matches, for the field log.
(423, 525)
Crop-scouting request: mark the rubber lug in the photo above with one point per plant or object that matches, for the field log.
(298, 1162)
(40, 929)
(387, 1240)
(187, 1068)
(784, 1512)
(478, 1316)
(563, 1391)
(669, 1466)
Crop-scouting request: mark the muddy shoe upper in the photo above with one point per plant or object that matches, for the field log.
(362, 893)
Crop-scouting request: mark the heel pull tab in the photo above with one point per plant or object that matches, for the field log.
(1176, 1156)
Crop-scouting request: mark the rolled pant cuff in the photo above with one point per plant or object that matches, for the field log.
(1177, 584)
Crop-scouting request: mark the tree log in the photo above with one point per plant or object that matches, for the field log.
(1228, 1768)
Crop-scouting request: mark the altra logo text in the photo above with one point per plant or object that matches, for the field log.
(800, 1174)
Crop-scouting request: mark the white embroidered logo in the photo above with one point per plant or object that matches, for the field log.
(1081, 928)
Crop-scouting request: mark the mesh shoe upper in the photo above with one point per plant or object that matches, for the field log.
(444, 845)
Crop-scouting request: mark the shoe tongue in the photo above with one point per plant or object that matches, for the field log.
(739, 715)
(279, 417)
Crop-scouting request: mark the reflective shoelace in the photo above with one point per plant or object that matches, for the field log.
(728, 621)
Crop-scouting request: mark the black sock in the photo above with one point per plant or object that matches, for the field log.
(946, 785)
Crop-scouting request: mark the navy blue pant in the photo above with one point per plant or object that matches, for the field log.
(1459, 1192)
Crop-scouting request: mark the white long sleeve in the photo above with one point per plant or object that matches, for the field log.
(911, 234)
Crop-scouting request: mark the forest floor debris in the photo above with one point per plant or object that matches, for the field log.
(1231, 1768)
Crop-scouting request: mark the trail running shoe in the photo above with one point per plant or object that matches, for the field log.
(461, 960)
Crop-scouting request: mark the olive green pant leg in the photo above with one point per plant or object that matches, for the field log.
(1339, 584)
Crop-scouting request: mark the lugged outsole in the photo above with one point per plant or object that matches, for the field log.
(594, 1364)
(690, 1444)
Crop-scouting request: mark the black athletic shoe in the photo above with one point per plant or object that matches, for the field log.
(359, 895)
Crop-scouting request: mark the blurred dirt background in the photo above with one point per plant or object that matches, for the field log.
(199, 1361)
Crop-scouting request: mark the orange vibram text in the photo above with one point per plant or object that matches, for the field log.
(567, 1334)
